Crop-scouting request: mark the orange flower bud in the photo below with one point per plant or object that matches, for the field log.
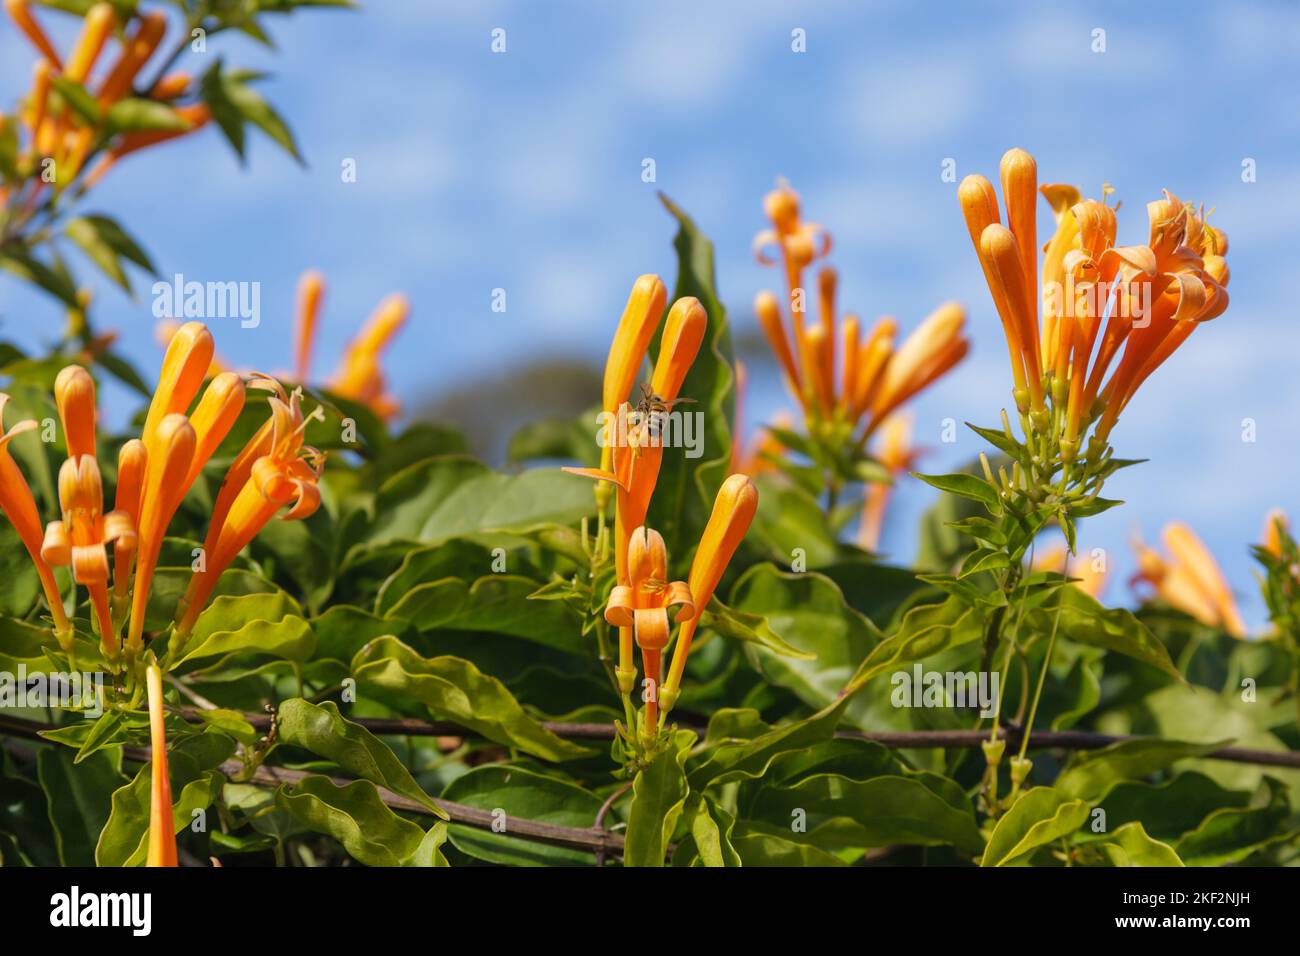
(74, 397)
(1275, 525)
(19, 506)
(130, 482)
(167, 465)
(1002, 258)
(98, 24)
(215, 415)
(636, 328)
(185, 366)
(933, 348)
(733, 512)
(311, 288)
(769, 319)
(135, 53)
(683, 333)
(171, 86)
(20, 12)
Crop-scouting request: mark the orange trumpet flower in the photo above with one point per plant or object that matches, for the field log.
(898, 456)
(79, 539)
(275, 469)
(20, 12)
(733, 512)
(644, 605)
(19, 505)
(162, 828)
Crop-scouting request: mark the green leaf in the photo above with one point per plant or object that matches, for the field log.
(1171, 808)
(925, 630)
(356, 816)
(810, 614)
(710, 829)
(1232, 834)
(1091, 774)
(751, 758)
(134, 115)
(1130, 845)
(658, 799)
(454, 689)
(234, 104)
(964, 486)
(882, 810)
(495, 603)
(525, 795)
(450, 497)
(81, 798)
(124, 840)
(78, 98)
(326, 733)
(1039, 817)
(1085, 621)
(751, 628)
(758, 848)
(686, 488)
(269, 623)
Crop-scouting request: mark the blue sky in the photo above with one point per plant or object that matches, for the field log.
(522, 171)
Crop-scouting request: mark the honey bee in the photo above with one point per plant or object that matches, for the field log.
(651, 409)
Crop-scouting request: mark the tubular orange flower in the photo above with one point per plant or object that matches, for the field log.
(1190, 579)
(171, 86)
(683, 333)
(213, 417)
(311, 288)
(285, 474)
(1090, 291)
(733, 512)
(98, 24)
(644, 605)
(20, 12)
(769, 319)
(1275, 525)
(79, 539)
(932, 349)
(39, 101)
(74, 397)
(162, 829)
(18, 504)
(361, 377)
(168, 459)
(135, 53)
(185, 366)
(800, 243)
(130, 483)
(645, 305)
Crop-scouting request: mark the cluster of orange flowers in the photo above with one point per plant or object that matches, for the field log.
(58, 132)
(360, 376)
(1096, 297)
(643, 600)
(154, 473)
(873, 377)
(1189, 579)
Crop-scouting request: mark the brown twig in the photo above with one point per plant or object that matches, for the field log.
(906, 739)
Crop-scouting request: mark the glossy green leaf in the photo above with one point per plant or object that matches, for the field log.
(454, 689)
(326, 733)
(1040, 816)
(658, 799)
